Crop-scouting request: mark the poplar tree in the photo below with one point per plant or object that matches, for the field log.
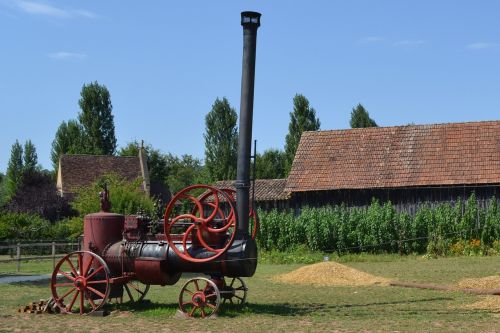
(221, 141)
(361, 118)
(302, 118)
(68, 140)
(96, 119)
(14, 173)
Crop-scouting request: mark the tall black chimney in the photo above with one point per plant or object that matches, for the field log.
(250, 22)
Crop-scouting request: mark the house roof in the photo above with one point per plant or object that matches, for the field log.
(265, 189)
(400, 156)
(81, 170)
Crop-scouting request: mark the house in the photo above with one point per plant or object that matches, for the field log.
(407, 165)
(75, 171)
(269, 193)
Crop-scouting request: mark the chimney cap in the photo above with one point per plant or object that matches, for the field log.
(249, 19)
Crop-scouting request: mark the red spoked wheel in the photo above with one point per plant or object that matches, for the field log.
(199, 298)
(203, 223)
(80, 283)
(254, 222)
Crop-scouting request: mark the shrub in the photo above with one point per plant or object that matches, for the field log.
(126, 197)
(14, 226)
(37, 194)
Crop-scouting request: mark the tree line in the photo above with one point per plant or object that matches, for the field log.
(93, 132)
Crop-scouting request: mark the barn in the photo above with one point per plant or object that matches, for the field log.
(407, 165)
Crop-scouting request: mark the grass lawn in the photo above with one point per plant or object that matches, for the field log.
(298, 308)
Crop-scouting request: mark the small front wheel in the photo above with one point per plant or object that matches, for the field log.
(199, 298)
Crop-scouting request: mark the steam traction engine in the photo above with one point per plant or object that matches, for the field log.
(205, 230)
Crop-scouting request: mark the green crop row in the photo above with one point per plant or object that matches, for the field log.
(379, 228)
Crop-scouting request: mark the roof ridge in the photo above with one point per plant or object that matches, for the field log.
(402, 126)
(95, 155)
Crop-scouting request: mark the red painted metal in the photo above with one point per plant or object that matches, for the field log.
(199, 298)
(80, 283)
(214, 233)
(100, 230)
(153, 271)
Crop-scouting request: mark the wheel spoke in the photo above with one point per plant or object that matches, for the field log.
(70, 306)
(192, 311)
(197, 286)
(136, 288)
(211, 305)
(69, 292)
(189, 292)
(80, 263)
(92, 304)
(86, 271)
(66, 275)
(232, 282)
(95, 272)
(97, 292)
(211, 295)
(81, 302)
(64, 284)
(97, 282)
(238, 297)
(203, 312)
(129, 293)
(73, 269)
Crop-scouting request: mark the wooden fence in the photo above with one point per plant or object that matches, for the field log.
(18, 258)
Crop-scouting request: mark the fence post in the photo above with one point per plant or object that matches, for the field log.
(18, 256)
(53, 254)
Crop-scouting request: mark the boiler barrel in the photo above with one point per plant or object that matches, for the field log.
(101, 230)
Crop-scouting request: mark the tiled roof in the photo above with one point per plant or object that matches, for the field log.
(401, 156)
(265, 189)
(82, 170)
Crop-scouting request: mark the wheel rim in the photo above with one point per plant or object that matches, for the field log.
(234, 292)
(80, 283)
(199, 298)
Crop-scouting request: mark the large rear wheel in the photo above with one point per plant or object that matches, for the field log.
(80, 283)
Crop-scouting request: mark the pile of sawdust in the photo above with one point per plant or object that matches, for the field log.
(330, 274)
(490, 302)
(486, 283)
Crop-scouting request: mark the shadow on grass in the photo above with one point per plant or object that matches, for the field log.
(301, 309)
(149, 308)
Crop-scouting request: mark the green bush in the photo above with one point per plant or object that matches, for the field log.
(440, 230)
(24, 226)
(15, 226)
(126, 197)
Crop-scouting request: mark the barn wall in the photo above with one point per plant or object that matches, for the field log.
(404, 199)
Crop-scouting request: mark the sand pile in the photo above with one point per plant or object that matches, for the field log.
(490, 302)
(330, 274)
(486, 283)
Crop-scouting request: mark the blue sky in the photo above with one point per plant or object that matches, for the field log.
(165, 62)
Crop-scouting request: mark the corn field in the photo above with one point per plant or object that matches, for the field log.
(380, 228)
